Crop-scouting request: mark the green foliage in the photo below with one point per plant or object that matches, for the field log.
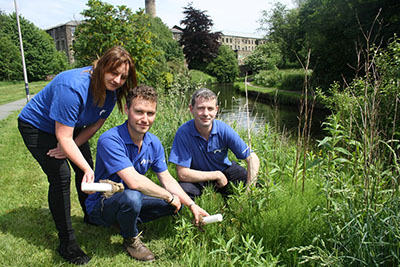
(41, 56)
(11, 62)
(362, 212)
(265, 57)
(162, 38)
(288, 80)
(225, 66)
(200, 45)
(106, 26)
(334, 42)
(200, 77)
(283, 28)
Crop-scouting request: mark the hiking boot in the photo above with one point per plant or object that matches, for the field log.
(137, 249)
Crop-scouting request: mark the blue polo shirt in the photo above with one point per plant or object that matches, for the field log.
(68, 100)
(116, 151)
(191, 150)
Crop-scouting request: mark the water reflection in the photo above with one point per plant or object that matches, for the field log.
(285, 118)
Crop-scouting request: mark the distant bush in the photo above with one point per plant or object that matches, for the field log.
(201, 77)
(288, 80)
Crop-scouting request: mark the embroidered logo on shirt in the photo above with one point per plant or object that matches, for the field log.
(102, 111)
(145, 161)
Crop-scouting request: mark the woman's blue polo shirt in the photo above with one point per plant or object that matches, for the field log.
(116, 151)
(68, 100)
(191, 150)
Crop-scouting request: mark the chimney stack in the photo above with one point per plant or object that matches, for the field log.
(151, 8)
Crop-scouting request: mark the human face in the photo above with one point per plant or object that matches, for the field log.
(116, 78)
(141, 116)
(204, 112)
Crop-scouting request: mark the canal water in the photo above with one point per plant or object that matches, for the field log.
(282, 117)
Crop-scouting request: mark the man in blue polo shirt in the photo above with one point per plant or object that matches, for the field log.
(200, 150)
(124, 155)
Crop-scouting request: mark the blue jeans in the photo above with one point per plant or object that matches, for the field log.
(128, 208)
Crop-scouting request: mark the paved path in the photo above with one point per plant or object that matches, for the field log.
(8, 108)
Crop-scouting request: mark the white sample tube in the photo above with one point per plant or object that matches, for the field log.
(96, 187)
(212, 219)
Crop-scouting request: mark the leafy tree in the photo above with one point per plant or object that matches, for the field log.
(163, 39)
(265, 57)
(283, 28)
(200, 45)
(41, 56)
(106, 26)
(10, 63)
(225, 66)
(332, 31)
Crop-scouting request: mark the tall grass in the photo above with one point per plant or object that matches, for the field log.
(274, 224)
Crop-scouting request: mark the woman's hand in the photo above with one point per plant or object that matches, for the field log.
(57, 152)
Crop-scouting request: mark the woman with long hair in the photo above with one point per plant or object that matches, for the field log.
(57, 123)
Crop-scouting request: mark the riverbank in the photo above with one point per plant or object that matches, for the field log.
(275, 96)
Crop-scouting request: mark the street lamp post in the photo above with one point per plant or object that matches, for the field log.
(22, 53)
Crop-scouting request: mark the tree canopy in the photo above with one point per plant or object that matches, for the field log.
(334, 31)
(225, 66)
(41, 56)
(105, 26)
(200, 45)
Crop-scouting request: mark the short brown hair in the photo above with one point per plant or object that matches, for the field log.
(142, 91)
(110, 61)
(203, 93)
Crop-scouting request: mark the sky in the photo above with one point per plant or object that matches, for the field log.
(227, 15)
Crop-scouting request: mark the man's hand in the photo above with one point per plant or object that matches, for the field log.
(221, 181)
(176, 202)
(198, 213)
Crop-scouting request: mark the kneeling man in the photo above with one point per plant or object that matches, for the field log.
(124, 154)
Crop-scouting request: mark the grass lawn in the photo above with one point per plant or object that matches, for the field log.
(12, 91)
(27, 233)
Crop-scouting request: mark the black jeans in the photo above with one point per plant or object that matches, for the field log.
(234, 173)
(58, 175)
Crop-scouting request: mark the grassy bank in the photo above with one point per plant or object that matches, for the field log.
(12, 91)
(278, 223)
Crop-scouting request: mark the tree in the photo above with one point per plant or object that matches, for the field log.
(282, 28)
(200, 45)
(265, 57)
(105, 26)
(41, 56)
(225, 66)
(162, 38)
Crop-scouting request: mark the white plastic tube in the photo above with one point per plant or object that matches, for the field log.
(96, 187)
(212, 219)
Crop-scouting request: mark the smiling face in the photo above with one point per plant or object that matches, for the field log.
(204, 112)
(116, 78)
(141, 115)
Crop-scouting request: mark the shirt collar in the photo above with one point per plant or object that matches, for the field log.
(194, 131)
(127, 138)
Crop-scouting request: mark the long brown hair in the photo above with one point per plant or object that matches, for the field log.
(111, 60)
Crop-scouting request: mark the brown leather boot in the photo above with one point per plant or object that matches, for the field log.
(137, 249)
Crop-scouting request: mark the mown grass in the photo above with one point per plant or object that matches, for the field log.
(12, 91)
(275, 224)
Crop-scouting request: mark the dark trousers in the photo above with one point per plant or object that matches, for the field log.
(234, 173)
(58, 175)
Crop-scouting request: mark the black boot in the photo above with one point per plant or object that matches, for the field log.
(72, 253)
